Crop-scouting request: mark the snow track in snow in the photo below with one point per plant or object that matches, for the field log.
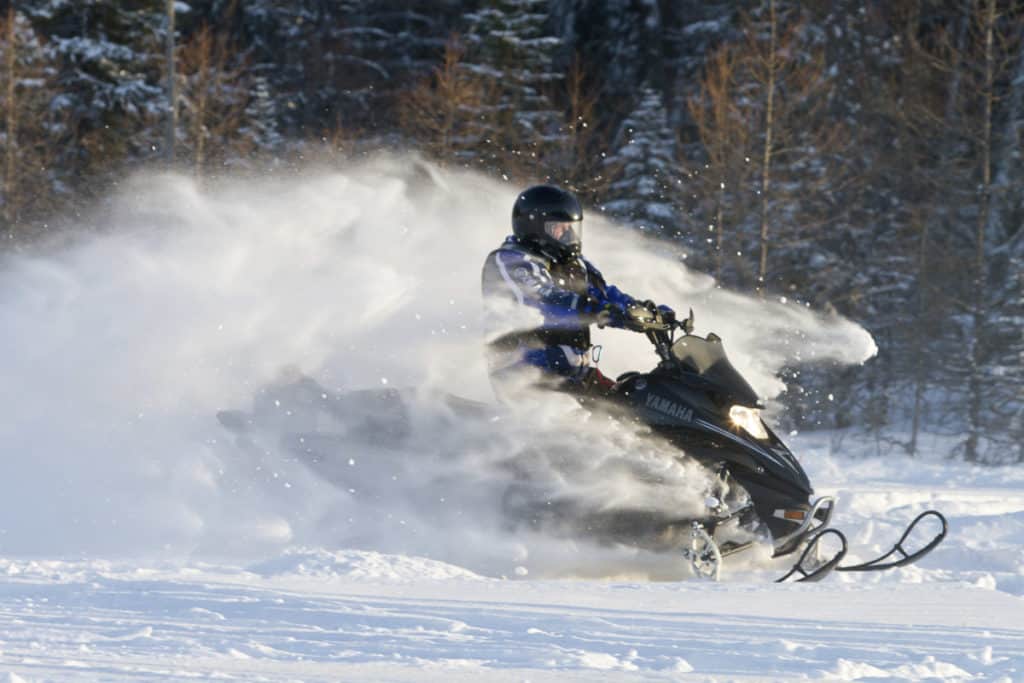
(113, 624)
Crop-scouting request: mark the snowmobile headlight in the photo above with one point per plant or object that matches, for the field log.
(750, 420)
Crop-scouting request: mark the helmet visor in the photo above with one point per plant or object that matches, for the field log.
(568, 233)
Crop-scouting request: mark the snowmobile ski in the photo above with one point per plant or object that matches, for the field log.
(704, 556)
(818, 570)
(882, 562)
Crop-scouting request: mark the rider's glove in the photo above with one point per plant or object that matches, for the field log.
(611, 315)
(667, 314)
(642, 316)
(601, 312)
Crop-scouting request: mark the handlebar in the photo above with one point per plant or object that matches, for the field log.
(660, 329)
(645, 316)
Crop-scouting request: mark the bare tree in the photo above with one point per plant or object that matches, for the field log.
(172, 95)
(11, 117)
(766, 98)
(770, 64)
(723, 125)
(214, 97)
(579, 165)
(443, 112)
(29, 146)
(968, 109)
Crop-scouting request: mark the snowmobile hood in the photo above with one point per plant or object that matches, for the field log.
(707, 359)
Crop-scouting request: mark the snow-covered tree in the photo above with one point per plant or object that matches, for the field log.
(258, 132)
(111, 100)
(647, 189)
(330, 64)
(511, 43)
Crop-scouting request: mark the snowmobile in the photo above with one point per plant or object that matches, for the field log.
(698, 400)
(694, 398)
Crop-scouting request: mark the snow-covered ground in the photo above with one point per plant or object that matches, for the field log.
(336, 614)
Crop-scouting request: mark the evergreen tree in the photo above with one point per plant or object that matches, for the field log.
(331, 64)
(109, 79)
(259, 128)
(647, 189)
(512, 45)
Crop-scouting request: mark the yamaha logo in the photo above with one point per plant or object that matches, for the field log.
(671, 408)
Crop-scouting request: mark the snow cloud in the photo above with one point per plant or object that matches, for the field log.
(119, 349)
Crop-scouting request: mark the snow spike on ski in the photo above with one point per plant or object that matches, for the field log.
(880, 563)
(817, 574)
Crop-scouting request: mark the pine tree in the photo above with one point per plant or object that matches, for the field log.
(647, 190)
(511, 44)
(259, 132)
(110, 80)
(342, 64)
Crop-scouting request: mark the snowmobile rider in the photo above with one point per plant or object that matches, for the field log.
(541, 267)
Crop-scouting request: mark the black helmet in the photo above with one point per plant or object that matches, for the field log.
(551, 218)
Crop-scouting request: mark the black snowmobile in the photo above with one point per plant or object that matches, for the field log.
(694, 398)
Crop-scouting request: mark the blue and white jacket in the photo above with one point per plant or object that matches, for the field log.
(568, 295)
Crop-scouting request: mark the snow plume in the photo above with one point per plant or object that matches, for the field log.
(119, 349)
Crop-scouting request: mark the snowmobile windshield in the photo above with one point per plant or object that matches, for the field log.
(706, 358)
(569, 233)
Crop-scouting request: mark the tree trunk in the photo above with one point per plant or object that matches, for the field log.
(920, 362)
(766, 163)
(1010, 148)
(199, 128)
(172, 94)
(719, 220)
(976, 381)
(11, 123)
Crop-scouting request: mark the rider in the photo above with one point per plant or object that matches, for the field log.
(540, 267)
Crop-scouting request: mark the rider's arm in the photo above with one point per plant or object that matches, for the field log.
(530, 282)
(606, 299)
(612, 299)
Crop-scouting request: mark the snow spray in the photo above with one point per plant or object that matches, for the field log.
(119, 348)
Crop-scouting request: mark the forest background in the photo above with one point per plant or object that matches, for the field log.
(862, 157)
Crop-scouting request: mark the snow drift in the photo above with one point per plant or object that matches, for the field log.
(119, 349)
